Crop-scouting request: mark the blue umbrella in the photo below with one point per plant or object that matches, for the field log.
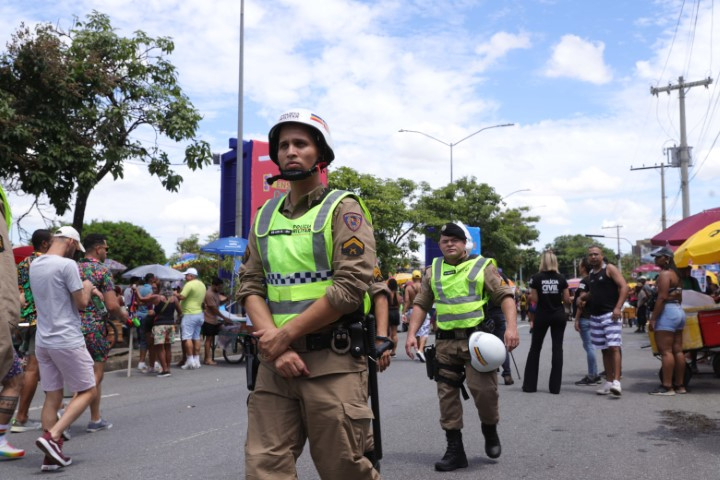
(233, 246)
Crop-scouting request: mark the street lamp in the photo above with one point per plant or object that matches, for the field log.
(513, 193)
(451, 145)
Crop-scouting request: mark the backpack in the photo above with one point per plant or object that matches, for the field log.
(651, 299)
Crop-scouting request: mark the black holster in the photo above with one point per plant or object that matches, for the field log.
(430, 361)
(252, 361)
(433, 371)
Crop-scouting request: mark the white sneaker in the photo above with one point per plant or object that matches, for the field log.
(188, 365)
(615, 389)
(142, 367)
(158, 367)
(605, 389)
(196, 363)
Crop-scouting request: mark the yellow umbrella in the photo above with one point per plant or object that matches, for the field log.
(700, 249)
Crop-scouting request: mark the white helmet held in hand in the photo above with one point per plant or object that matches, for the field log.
(487, 352)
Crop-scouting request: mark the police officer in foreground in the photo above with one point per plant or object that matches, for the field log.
(308, 265)
(460, 285)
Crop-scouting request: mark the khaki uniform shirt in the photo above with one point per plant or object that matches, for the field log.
(492, 285)
(9, 296)
(352, 273)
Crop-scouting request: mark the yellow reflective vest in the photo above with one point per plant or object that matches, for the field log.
(458, 291)
(296, 254)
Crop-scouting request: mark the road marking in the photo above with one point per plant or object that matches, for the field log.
(101, 396)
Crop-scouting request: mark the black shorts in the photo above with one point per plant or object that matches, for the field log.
(209, 330)
(394, 317)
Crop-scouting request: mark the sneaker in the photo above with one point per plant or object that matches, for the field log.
(663, 391)
(26, 426)
(48, 465)
(188, 365)
(585, 381)
(103, 424)
(615, 389)
(8, 452)
(597, 380)
(164, 374)
(66, 433)
(605, 390)
(53, 449)
(421, 356)
(142, 367)
(158, 367)
(508, 379)
(197, 363)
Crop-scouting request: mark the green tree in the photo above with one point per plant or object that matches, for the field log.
(72, 102)
(393, 206)
(129, 244)
(503, 231)
(570, 249)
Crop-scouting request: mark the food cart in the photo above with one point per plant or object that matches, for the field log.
(701, 335)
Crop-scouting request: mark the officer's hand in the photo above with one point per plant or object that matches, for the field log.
(411, 346)
(384, 361)
(290, 365)
(273, 342)
(512, 339)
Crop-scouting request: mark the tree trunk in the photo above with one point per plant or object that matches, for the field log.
(79, 213)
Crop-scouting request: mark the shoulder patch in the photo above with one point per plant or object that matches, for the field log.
(353, 247)
(353, 220)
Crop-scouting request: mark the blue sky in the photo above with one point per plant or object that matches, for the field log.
(573, 76)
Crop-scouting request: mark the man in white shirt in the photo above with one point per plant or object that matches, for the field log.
(59, 342)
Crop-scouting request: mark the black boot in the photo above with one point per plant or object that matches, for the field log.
(492, 441)
(454, 455)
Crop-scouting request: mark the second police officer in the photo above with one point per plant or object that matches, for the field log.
(460, 285)
(307, 268)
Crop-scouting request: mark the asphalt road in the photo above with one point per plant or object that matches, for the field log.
(192, 425)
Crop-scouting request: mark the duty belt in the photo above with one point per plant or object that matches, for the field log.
(456, 334)
(341, 340)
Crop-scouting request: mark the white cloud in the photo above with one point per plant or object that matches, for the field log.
(579, 59)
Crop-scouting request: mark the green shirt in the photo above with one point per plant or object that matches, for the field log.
(193, 294)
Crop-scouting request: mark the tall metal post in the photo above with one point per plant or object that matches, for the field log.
(239, 167)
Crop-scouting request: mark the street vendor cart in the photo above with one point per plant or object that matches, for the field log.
(701, 335)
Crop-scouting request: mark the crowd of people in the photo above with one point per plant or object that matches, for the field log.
(61, 339)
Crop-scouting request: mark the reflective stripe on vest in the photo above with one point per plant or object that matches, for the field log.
(459, 296)
(296, 254)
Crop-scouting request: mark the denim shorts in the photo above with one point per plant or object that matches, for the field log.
(191, 324)
(672, 318)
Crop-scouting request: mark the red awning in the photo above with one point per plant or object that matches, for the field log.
(677, 233)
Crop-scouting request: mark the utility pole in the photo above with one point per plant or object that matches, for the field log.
(683, 152)
(617, 229)
(662, 168)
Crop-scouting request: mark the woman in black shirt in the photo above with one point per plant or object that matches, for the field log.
(550, 290)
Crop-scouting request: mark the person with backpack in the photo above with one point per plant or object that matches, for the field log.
(645, 295)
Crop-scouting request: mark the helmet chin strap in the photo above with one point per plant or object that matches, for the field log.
(295, 175)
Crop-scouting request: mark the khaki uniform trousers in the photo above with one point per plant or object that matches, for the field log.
(483, 387)
(331, 411)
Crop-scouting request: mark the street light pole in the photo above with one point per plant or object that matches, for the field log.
(513, 193)
(451, 144)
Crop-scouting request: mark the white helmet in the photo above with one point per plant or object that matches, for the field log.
(305, 117)
(487, 352)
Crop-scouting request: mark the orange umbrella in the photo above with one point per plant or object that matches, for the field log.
(700, 249)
